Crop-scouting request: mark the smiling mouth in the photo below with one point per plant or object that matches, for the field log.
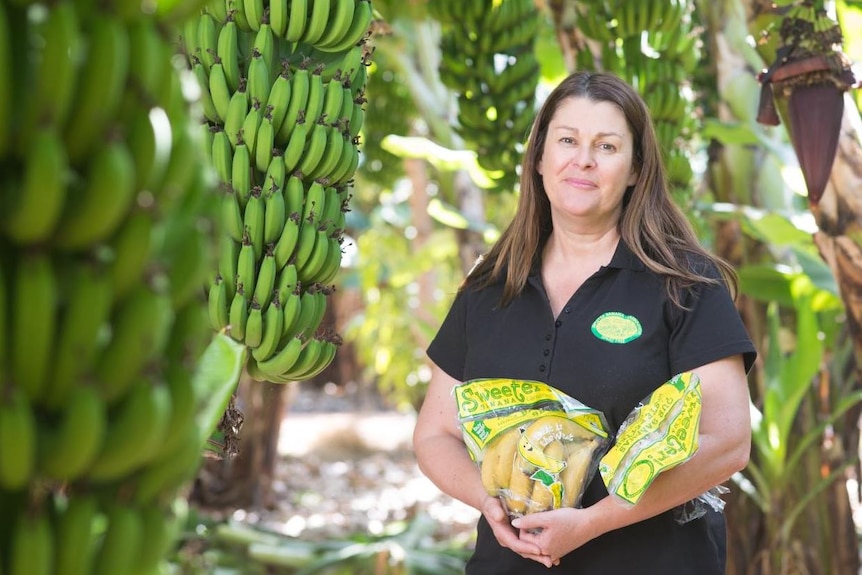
(580, 183)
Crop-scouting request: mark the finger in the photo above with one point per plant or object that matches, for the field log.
(543, 559)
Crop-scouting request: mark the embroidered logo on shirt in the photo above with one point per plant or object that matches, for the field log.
(616, 327)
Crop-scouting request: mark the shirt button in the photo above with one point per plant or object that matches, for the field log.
(558, 323)
(542, 368)
(568, 310)
(548, 337)
(547, 352)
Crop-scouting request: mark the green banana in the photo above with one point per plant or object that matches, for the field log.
(131, 245)
(40, 200)
(140, 329)
(296, 144)
(314, 106)
(273, 324)
(238, 314)
(254, 13)
(219, 90)
(265, 282)
(287, 241)
(250, 127)
(221, 154)
(297, 21)
(159, 529)
(316, 259)
(228, 253)
(97, 209)
(34, 311)
(32, 546)
(236, 113)
(75, 543)
(340, 19)
(85, 313)
(285, 285)
(18, 429)
(279, 100)
(207, 40)
(294, 195)
(246, 266)
(264, 42)
(228, 52)
(122, 541)
(259, 82)
(317, 18)
(292, 311)
(306, 361)
(254, 222)
(184, 406)
(279, 16)
(148, 55)
(331, 155)
(240, 172)
(300, 85)
(315, 148)
(150, 151)
(265, 142)
(217, 304)
(359, 24)
(55, 70)
(274, 215)
(202, 76)
(163, 476)
(231, 214)
(102, 82)
(67, 450)
(253, 325)
(136, 428)
(283, 359)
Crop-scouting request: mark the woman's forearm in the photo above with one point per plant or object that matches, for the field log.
(444, 460)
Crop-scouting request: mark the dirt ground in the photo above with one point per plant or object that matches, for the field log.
(346, 467)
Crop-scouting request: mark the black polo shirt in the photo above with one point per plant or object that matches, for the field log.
(616, 340)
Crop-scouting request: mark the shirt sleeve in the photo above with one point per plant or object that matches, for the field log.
(448, 349)
(710, 329)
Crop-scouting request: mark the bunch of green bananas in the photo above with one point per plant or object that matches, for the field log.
(282, 85)
(540, 465)
(104, 255)
(489, 60)
(652, 45)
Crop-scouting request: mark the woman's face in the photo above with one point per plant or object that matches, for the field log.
(587, 162)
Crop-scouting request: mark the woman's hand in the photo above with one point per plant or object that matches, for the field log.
(555, 533)
(507, 536)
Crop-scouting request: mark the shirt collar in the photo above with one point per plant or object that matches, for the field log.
(623, 258)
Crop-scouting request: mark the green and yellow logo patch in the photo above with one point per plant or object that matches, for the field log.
(616, 327)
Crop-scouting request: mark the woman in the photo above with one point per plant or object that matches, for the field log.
(595, 233)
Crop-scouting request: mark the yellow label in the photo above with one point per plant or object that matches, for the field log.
(479, 397)
(661, 435)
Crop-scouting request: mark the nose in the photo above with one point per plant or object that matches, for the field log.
(583, 157)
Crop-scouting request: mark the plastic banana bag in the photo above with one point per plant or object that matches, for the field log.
(658, 434)
(536, 447)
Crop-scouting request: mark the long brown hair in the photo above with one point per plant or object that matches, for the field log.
(651, 224)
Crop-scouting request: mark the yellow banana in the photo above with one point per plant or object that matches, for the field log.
(39, 201)
(34, 313)
(67, 450)
(95, 211)
(500, 449)
(17, 440)
(520, 487)
(579, 462)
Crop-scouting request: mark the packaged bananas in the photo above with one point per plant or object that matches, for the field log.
(658, 434)
(536, 447)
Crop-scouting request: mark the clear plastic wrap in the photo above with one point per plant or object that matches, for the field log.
(536, 447)
(658, 434)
